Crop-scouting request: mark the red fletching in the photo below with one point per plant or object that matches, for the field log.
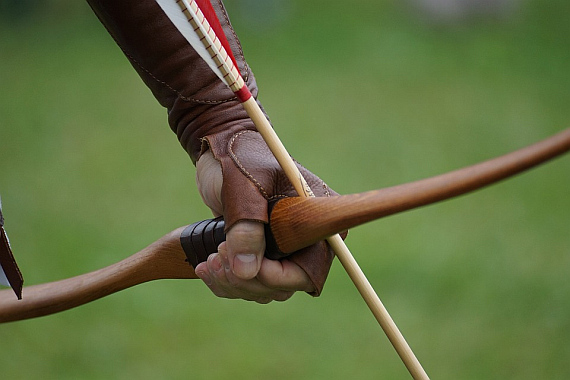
(210, 15)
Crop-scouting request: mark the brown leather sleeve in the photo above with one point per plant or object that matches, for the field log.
(198, 103)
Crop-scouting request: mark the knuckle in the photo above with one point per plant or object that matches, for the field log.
(263, 300)
(283, 296)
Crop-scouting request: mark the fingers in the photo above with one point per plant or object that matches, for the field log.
(239, 269)
(285, 275)
(276, 280)
(217, 275)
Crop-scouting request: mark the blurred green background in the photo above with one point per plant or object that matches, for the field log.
(367, 94)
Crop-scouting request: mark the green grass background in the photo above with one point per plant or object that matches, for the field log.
(367, 95)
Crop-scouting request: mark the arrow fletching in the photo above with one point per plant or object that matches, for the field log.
(197, 22)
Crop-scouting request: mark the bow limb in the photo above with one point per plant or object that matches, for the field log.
(303, 221)
(161, 260)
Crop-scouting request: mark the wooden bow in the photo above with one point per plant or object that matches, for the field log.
(295, 222)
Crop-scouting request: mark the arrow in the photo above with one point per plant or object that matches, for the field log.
(204, 32)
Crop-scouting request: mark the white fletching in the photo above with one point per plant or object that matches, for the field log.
(192, 24)
(3, 279)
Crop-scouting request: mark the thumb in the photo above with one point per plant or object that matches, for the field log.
(245, 243)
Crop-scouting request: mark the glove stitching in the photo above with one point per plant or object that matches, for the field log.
(247, 173)
(242, 168)
(185, 98)
(325, 188)
(178, 93)
(323, 184)
(259, 186)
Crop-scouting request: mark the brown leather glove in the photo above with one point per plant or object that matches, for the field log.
(205, 114)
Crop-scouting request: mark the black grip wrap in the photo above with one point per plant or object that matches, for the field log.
(201, 239)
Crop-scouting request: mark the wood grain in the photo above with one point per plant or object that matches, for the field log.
(299, 222)
(161, 260)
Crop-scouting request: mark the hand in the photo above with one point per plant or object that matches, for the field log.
(239, 269)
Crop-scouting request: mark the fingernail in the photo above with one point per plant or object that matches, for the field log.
(245, 265)
(215, 262)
